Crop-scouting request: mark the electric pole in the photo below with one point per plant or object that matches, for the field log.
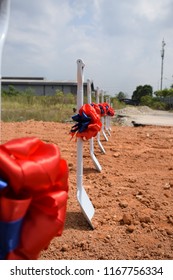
(162, 59)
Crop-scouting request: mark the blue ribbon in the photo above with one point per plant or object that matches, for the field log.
(3, 184)
(101, 109)
(9, 236)
(83, 122)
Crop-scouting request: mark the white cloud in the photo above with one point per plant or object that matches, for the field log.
(153, 10)
(119, 41)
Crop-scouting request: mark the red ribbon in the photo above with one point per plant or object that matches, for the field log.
(106, 109)
(36, 170)
(94, 126)
(109, 110)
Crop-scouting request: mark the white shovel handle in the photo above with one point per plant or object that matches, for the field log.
(4, 20)
(98, 134)
(80, 80)
(91, 141)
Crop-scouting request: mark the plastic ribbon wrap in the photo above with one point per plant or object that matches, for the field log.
(33, 197)
(109, 111)
(102, 109)
(97, 108)
(88, 123)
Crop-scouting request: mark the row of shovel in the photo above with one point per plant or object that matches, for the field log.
(85, 203)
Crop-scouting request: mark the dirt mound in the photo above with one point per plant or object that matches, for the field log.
(131, 110)
(132, 196)
(143, 115)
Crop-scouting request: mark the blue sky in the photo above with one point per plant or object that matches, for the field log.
(118, 40)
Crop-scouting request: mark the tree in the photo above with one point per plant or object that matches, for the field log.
(146, 100)
(164, 93)
(121, 95)
(142, 91)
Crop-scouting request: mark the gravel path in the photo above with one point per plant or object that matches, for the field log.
(144, 116)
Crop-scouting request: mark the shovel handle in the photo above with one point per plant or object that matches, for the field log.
(80, 80)
(4, 20)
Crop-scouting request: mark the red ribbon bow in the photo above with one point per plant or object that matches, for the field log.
(93, 127)
(36, 172)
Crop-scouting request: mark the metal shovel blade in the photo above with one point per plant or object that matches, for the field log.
(82, 197)
(103, 128)
(94, 159)
(100, 144)
(104, 134)
(108, 132)
(85, 205)
(96, 162)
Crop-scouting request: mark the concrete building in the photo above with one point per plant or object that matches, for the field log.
(40, 85)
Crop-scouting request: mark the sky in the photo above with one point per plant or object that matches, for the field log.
(119, 41)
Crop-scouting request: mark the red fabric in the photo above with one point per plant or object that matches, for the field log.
(111, 112)
(97, 108)
(102, 110)
(13, 208)
(34, 170)
(94, 126)
(108, 110)
(39, 228)
(30, 164)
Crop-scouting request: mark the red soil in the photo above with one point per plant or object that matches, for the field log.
(132, 196)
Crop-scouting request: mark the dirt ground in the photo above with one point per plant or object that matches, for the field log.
(132, 195)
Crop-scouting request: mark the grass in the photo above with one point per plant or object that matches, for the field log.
(40, 108)
(54, 114)
(57, 108)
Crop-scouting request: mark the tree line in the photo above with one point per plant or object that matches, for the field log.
(144, 95)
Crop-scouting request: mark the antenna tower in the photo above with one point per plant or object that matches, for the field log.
(162, 59)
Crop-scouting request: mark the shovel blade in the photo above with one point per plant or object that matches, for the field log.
(86, 205)
(101, 147)
(108, 132)
(96, 162)
(104, 134)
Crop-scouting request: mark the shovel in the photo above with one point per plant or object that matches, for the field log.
(91, 141)
(82, 197)
(98, 134)
(108, 119)
(4, 19)
(103, 119)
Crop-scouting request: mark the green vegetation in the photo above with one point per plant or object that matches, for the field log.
(165, 92)
(22, 106)
(117, 104)
(141, 91)
(121, 95)
(153, 102)
(145, 96)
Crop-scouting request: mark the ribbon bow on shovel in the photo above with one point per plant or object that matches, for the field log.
(12, 212)
(82, 122)
(88, 122)
(33, 197)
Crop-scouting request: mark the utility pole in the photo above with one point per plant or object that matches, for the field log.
(162, 59)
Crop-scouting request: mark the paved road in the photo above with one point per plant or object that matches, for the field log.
(161, 118)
